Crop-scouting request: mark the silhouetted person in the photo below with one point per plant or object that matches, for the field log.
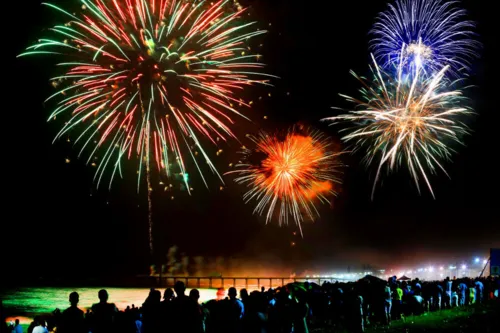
(447, 288)
(17, 327)
(167, 308)
(300, 310)
(354, 311)
(437, 296)
(233, 312)
(244, 295)
(198, 323)
(462, 292)
(103, 314)
(40, 327)
(151, 312)
(472, 293)
(397, 301)
(72, 319)
(427, 294)
(184, 310)
(168, 295)
(387, 303)
(33, 324)
(479, 291)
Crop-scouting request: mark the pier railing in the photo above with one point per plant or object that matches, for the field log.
(238, 282)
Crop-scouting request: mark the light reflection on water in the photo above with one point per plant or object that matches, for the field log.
(25, 303)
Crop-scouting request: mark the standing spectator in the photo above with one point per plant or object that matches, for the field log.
(72, 319)
(387, 303)
(198, 320)
(427, 294)
(454, 299)
(234, 311)
(17, 327)
(184, 310)
(479, 291)
(397, 301)
(103, 314)
(354, 312)
(462, 292)
(40, 327)
(472, 293)
(448, 284)
(166, 307)
(300, 310)
(33, 324)
(151, 312)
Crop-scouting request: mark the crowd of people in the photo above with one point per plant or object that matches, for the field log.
(293, 308)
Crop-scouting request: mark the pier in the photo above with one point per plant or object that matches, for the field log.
(250, 283)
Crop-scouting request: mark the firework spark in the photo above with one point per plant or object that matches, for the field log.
(149, 79)
(406, 120)
(293, 174)
(424, 33)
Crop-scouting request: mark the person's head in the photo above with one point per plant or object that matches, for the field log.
(168, 294)
(194, 294)
(155, 296)
(74, 298)
(243, 293)
(151, 291)
(39, 321)
(447, 279)
(231, 292)
(17, 321)
(103, 295)
(179, 288)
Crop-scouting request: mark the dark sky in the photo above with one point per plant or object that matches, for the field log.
(53, 210)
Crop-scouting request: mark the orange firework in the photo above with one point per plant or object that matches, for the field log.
(293, 174)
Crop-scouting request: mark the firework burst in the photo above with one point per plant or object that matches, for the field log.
(148, 79)
(406, 120)
(424, 33)
(293, 173)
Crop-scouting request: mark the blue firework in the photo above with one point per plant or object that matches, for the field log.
(424, 33)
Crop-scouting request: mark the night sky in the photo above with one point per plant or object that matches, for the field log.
(55, 221)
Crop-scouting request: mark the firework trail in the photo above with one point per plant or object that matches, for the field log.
(424, 33)
(293, 173)
(407, 121)
(150, 79)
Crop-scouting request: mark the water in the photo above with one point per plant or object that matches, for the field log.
(25, 303)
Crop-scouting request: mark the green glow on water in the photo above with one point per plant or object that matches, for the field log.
(29, 302)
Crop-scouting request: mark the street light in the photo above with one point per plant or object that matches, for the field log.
(476, 260)
(464, 266)
(485, 261)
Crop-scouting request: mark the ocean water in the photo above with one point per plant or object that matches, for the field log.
(25, 303)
